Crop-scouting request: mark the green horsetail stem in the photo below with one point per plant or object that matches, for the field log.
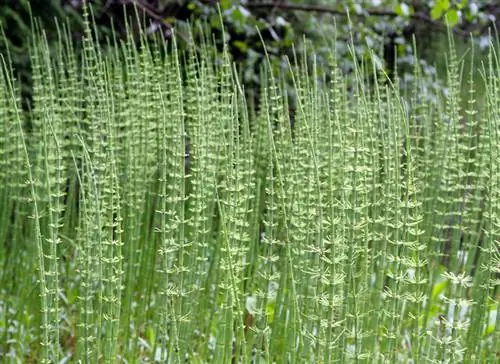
(149, 212)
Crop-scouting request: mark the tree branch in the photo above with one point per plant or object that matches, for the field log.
(148, 10)
(369, 12)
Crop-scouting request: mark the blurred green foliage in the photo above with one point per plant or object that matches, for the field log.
(378, 28)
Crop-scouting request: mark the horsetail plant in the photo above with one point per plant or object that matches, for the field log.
(172, 220)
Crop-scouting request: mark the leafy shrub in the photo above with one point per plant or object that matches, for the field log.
(378, 28)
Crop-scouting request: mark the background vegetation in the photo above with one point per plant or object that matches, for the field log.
(152, 209)
(379, 28)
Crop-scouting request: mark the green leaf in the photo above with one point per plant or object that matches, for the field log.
(270, 312)
(289, 37)
(242, 46)
(150, 333)
(461, 4)
(445, 4)
(439, 9)
(452, 17)
(438, 289)
(225, 4)
(489, 329)
(436, 12)
(402, 9)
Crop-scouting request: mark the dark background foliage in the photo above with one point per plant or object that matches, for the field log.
(387, 27)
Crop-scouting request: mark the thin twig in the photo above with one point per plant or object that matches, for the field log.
(369, 12)
(148, 10)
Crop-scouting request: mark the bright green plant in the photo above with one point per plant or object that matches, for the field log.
(145, 217)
